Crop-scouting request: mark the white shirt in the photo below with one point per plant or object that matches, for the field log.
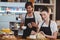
(53, 26)
(37, 18)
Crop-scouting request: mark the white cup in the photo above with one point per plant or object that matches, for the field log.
(23, 27)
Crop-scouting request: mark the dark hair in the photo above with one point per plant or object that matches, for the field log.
(28, 4)
(45, 9)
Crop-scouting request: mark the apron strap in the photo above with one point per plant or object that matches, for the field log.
(49, 22)
(33, 16)
(42, 24)
(44, 21)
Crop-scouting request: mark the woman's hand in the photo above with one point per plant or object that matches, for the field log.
(42, 33)
(53, 37)
(33, 32)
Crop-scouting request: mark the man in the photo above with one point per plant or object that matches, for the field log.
(31, 20)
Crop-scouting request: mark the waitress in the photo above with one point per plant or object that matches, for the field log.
(48, 27)
(31, 20)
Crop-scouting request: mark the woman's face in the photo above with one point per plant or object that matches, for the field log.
(45, 15)
(29, 9)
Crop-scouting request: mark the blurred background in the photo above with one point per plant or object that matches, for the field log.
(11, 11)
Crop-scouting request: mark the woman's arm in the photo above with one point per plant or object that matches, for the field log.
(54, 36)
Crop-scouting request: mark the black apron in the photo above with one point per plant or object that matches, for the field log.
(46, 30)
(28, 30)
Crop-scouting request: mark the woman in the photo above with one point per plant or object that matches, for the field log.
(30, 20)
(48, 27)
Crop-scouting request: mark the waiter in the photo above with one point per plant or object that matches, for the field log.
(31, 20)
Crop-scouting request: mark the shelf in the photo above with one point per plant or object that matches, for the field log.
(2, 11)
(16, 21)
(14, 11)
(46, 4)
(13, 4)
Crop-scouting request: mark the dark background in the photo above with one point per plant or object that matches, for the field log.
(57, 9)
